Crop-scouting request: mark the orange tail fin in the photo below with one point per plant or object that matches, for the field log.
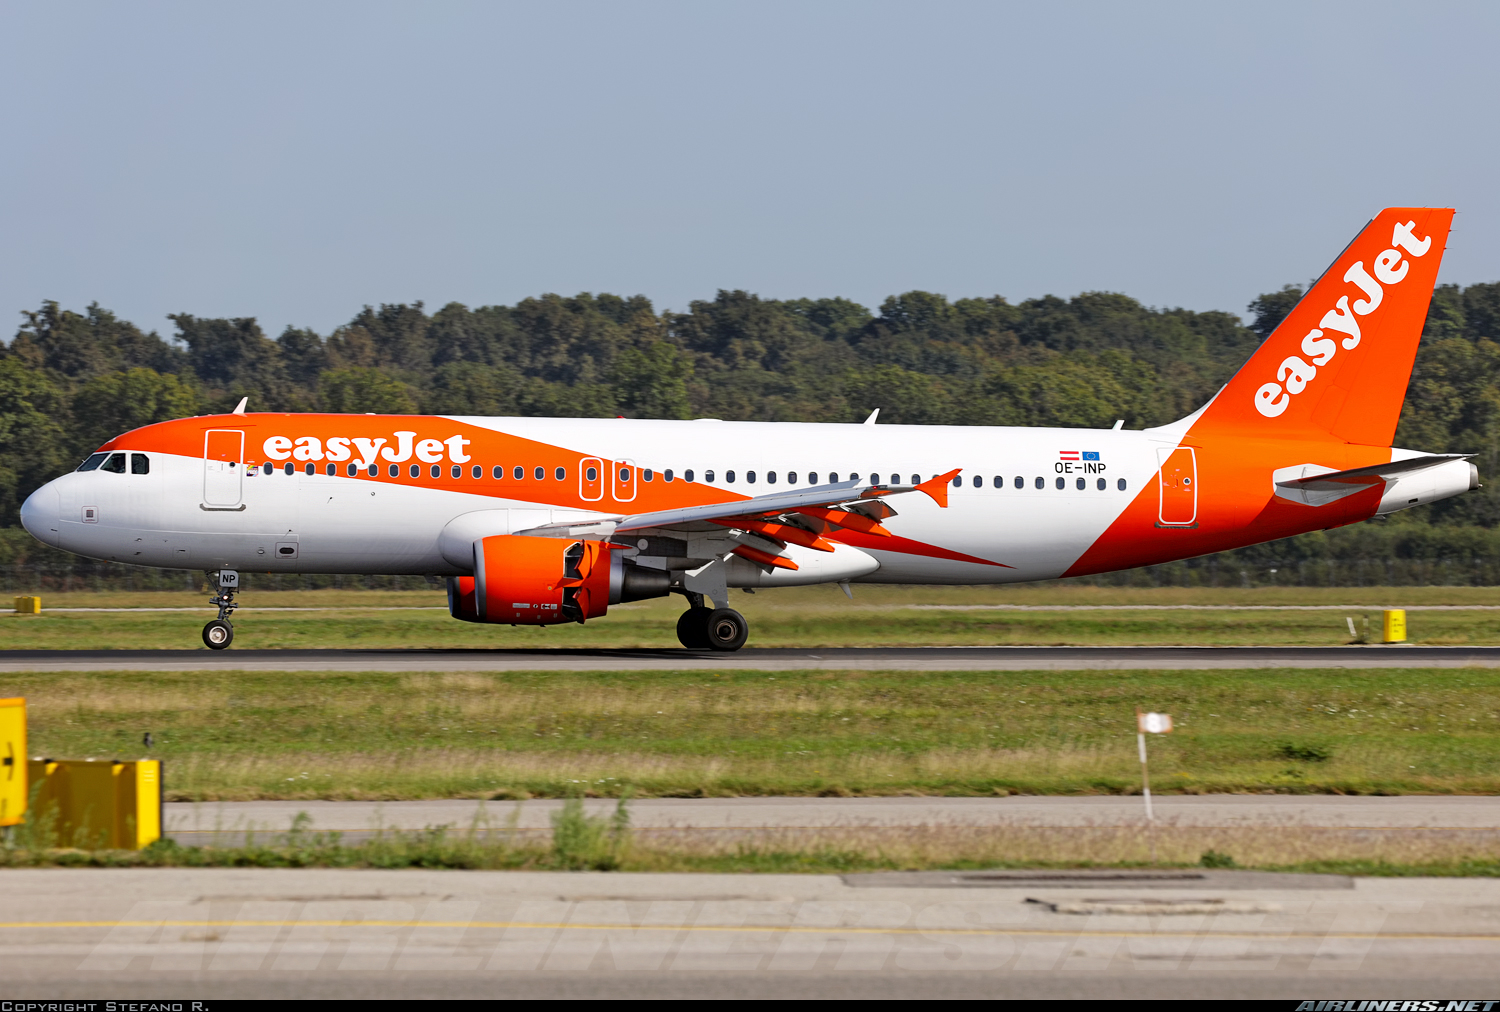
(1340, 362)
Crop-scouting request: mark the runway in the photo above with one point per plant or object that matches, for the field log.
(208, 822)
(762, 659)
(201, 934)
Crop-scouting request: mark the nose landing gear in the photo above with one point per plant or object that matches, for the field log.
(219, 632)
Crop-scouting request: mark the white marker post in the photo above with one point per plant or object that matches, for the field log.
(1149, 723)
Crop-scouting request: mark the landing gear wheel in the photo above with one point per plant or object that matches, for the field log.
(692, 629)
(726, 629)
(218, 634)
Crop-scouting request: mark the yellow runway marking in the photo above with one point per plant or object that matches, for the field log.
(753, 929)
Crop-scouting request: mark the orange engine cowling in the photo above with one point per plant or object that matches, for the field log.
(533, 581)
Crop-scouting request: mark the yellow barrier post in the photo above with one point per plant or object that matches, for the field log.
(1395, 625)
(99, 803)
(12, 761)
(28, 605)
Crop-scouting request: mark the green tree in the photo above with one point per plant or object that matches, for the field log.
(83, 345)
(33, 437)
(234, 359)
(363, 389)
(1268, 310)
(652, 382)
(117, 402)
(468, 388)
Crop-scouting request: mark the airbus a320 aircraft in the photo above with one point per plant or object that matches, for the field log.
(541, 521)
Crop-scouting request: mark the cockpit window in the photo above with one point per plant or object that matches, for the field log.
(140, 463)
(115, 464)
(95, 459)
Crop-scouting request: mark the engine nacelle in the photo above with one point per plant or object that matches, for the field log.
(522, 580)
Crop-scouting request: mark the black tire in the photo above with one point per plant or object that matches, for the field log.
(218, 634)
(692, 629)
(726, 629)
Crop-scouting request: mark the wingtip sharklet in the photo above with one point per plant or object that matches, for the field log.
(937, 488)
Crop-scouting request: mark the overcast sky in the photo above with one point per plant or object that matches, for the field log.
(295, 161)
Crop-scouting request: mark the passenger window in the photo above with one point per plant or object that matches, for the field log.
(436, 471)
(373, 471)
(1120, 484)
(854, 477)
(476, 471)
(1061, 481)
(1102, 484)
(539, 473)
(518, 473)
(688, 475)
(999, 481)
(140, 463)
(729, 477)
(331, 470)
(415, 470)
(916, 479)
(647, 474)
(394, 470)
(290, 468)
(1020, 482)
(978, 481)
(791, 477)
(310, 468)
(95, 459)
(708, 476)
(770, 477)
(667, 475)
(115, 464)
(592, 474)
(750, 477)
(957, 481)
(351, 470)
(812, 477)
(456, 471)
(1082, 484)
(1041, 482)
(561, 474)
(499, 473)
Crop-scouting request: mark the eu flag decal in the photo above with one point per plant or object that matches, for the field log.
(1090, 455)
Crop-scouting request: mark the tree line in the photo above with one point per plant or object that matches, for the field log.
(70, 380)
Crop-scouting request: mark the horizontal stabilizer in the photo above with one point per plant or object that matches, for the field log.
(1315, 485)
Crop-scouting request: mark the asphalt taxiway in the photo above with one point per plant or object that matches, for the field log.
(761, 659)
(195, 821)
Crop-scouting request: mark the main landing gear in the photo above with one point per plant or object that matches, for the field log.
(702, 628)
(219, 632)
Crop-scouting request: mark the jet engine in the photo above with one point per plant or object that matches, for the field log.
(520, 580)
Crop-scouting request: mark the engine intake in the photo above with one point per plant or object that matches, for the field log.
(520, 580)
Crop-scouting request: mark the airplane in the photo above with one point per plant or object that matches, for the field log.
(546, 521)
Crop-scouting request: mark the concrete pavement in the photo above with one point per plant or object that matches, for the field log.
(200, 934)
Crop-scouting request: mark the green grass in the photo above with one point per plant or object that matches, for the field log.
(246, 735)
(603, 843)
(794, 617)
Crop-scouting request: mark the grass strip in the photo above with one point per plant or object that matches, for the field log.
(792, 617)
(235, 735)
(606, 843)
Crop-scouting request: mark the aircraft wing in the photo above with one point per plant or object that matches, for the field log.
(841, 504)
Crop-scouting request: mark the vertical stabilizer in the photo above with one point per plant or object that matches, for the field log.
(1339, 363)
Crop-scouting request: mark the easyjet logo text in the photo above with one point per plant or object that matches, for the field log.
(403, 447)
(1295, 373)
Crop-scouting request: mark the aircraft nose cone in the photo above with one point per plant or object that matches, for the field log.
(39, 514)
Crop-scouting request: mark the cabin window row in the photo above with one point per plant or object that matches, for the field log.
(592, 474)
